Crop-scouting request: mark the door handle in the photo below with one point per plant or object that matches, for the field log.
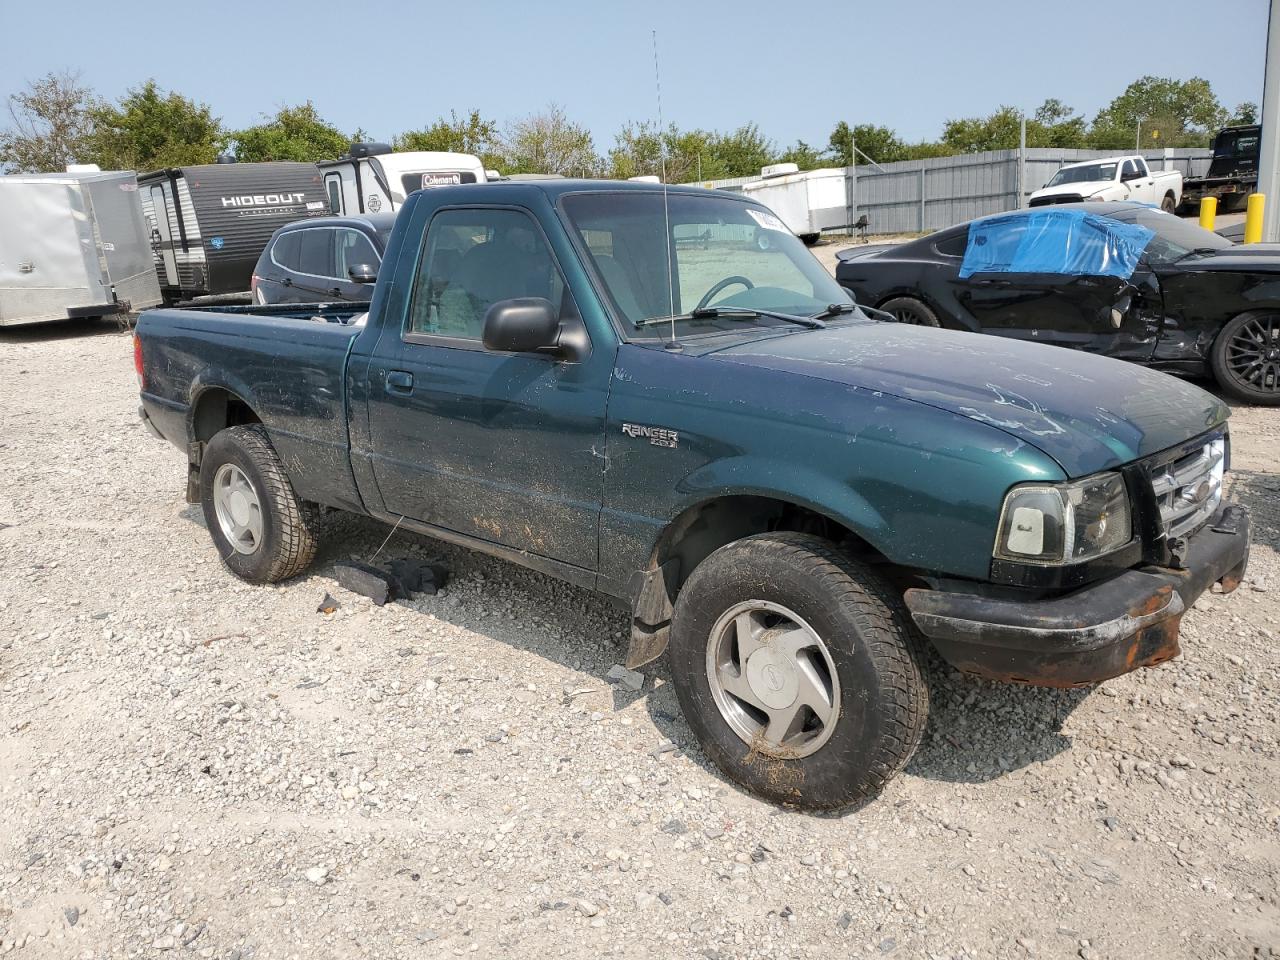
(399, 381)
(286, 282)
(335, 292)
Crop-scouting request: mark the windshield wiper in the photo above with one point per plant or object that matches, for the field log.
(833, 310)
(734, 313)
(1198, 251)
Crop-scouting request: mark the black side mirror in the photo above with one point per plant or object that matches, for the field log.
(521, 325)
(363, 273)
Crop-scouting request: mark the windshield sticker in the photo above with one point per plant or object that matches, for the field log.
(766, 220)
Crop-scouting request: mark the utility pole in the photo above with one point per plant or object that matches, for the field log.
(1269, 148)
(1137, 141)
(1022, 163)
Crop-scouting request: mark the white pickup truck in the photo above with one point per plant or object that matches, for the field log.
(1115, 178)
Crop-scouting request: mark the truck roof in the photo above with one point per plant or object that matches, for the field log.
(1097, 160)
(559, 187)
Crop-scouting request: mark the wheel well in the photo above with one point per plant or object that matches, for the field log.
(216, 409)
(704, 528)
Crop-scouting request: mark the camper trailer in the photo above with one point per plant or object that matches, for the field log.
(373, 178)
(72, 245)
(210, 223)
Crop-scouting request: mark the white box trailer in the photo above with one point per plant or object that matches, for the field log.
(73, 245)
(807, 203)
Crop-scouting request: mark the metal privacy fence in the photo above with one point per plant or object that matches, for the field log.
(914, 196)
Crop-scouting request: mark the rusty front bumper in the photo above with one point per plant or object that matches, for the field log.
(1102, 631)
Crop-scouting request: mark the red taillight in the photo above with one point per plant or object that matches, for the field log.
(137, 361)
(253, 288)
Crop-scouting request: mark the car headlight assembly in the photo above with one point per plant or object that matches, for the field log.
(1058, 524)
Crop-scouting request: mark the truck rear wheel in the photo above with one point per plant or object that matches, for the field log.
(798, 670)
(263, 532)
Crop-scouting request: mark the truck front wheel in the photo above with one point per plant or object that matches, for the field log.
(798, 670)
(262, 531)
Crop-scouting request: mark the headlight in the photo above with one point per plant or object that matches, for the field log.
(1065, 523)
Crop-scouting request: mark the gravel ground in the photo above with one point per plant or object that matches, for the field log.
(193, 766)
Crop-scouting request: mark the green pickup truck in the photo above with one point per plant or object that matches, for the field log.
(627, 389)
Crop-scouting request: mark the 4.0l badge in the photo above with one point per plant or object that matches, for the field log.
(658, 436)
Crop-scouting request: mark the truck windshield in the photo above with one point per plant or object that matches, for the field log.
(1086, 174)
(725, 253)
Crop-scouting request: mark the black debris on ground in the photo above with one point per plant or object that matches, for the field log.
(399, 580)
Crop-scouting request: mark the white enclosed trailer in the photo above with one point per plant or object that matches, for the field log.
(73, 245)
(807, 203)
(374, 178)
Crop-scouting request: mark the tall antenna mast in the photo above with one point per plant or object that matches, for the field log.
(666, 208)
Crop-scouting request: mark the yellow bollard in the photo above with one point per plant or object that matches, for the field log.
(1253, 218)
(1208, 210)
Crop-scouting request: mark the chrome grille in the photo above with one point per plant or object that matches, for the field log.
(1189, 487)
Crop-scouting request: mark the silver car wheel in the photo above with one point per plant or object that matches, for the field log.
(773, 679)
(238, 509)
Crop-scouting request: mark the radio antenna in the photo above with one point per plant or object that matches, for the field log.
(666, 207)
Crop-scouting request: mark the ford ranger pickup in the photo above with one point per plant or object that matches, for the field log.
(617, 385)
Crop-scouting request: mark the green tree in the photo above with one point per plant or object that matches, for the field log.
(1244, 113)
(294, 133)
(1173, 113)
(454, 134)
(50, 125)
(151, 129)
(881, 144)
(739, 153)
(998, 131)
(549, 142)
(803, 156)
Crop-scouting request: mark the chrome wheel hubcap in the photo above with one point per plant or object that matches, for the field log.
(773, 679)
(236, 505)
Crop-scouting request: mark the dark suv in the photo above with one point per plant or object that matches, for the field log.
(322, 259)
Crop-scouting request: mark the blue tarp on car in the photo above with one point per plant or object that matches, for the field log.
(1070, 242)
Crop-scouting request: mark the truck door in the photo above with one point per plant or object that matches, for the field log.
(504, 447)
(1138, 179)
(162, 236)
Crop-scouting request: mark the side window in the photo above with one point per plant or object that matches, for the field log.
(1130, 170)
(1140, 167)
(953, 246)
(333, 183)
(471, 260)
(315, 254)
(351, 247)
(285, 251)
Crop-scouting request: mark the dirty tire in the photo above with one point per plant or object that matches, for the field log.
(910, 310)
(1168, 204)
(290, 525)
(878, 656)
(1230, 358)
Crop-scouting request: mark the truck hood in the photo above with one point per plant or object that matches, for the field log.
(1088, 413)
(1084, 188)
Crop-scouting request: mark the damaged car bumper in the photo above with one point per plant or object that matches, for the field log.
(1102, 631)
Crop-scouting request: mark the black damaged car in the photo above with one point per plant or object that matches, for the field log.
(1194, 304)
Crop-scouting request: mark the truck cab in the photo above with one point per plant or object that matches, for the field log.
(374, 178)
(1112, 178)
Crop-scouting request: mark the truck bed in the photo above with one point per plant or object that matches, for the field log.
(290, 359)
